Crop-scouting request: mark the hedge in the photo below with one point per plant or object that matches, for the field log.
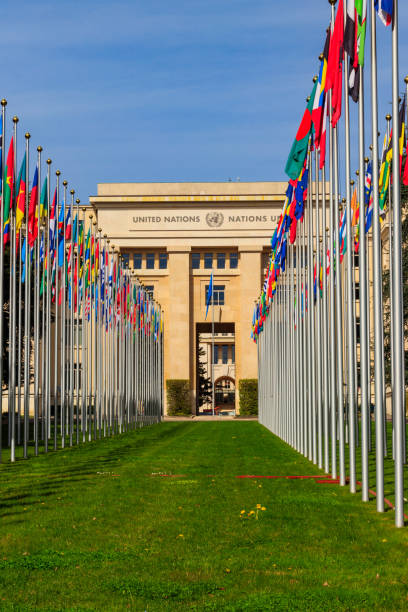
(248, 396)
(178, 397)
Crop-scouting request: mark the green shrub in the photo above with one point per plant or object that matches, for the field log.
(178, 397)
(248, 396)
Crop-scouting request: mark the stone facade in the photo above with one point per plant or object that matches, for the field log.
(167, 231)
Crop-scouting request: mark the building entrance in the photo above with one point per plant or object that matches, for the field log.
(215, 357)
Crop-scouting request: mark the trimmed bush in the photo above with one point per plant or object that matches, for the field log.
(248, 396)
(178, 397)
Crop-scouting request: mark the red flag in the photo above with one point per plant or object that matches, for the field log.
(405, 175)
(335, 63)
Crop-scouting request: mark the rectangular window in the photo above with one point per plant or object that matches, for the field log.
(220, 261)
(162, 261)
(357, 291)
(356, 260)
(137, 261)
(150, 290)
(208, 261)
(225, 353)
(195, 261)
(233, 260)
(149, 261)
(125, 257)
(218, 294)
(233, 353)
(215, 353)
(357, 330)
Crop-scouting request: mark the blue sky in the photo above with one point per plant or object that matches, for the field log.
(152, 90)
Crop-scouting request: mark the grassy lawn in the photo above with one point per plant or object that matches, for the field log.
(100, 527)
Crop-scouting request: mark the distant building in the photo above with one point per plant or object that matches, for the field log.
(173, 235)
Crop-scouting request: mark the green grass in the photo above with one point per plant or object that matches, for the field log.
(99, 528)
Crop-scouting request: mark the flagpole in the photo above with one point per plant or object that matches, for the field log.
(71, 331)
(48, 288)
(77, 319)
(37, 303)
(26, 313)
(318, 323)
(398, 321)
(63, 321)
(57, 346)
(349, 287)
(212, 343)
(3, 144)
(377, 277)
(12, 308)
(324, 330)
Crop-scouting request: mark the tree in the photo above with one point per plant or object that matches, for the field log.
(386, 291)
(204, 391)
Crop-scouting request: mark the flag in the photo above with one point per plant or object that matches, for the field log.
(209, 294)
(385, 9)
(52, 223)
(361, 10)
(354, 208)
(1, 147)
(21, 194)
(335, 63)
(32, 211)
(299, 148)
(401, 125)
(350, 46)
(8, 192)
(319, 100)
(44, 199)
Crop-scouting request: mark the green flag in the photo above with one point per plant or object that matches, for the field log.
(361, 10)
(298, 151)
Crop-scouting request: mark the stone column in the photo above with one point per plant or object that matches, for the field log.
(250, 282)
(177, 344)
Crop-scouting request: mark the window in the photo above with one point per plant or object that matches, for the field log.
(225, 353)
(232, 353)
(357, 295)
(149, 261)
(162, 261)
(357, 330)
(233, 260)
(195, 261)
(208, 261)
(125, 257)
(215, 353)
(356, 260)
(220, 261)
(137, 261)
(150, 290)
(218, 294)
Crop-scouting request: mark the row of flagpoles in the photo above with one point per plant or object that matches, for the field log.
(320, 344)
(81, 339)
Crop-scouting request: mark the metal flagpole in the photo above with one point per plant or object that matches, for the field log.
(63, 321)
(26, 314)
(71, 329)
(3, 157)
(78, 380)
(212, 344)
(48, 288)
(398, 320)
(332, 325)
(310, 326)
(339, 320)
(318, 323)
(12, 309)
(324, 329)
(37, 304)
(57, 351)
(377, 278)
(349, 286)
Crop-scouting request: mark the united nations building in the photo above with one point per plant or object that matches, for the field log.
(173, 236)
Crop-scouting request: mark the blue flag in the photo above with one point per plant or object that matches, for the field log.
(209, 294)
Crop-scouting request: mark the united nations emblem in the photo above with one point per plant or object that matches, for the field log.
(214, 219)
